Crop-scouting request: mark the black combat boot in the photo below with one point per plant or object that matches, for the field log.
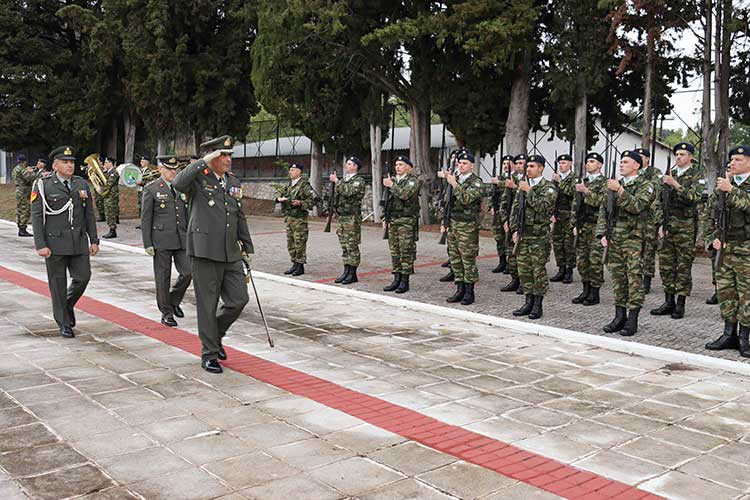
(291, 269)
(728, 339)
(102, 219)
(343, 275)
(525, 309)
(394, 284)
(459, 295)
(403, 287)
(618, 323)
(584, 293)
(448, 277)
(502, 265)
(568, 278)
(111, 234)
(536, 310)
(468, 295)
(631, 324)
(559, 276)
(744, 341)
(666, 308)
(713, 299)
(646, 284)
(512, 286)
(23, 232)
(447, 263)
(351, 277)
(593, 296)
(299, 270)
(679, 308)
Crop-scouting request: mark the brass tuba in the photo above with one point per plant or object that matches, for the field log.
(95, 172)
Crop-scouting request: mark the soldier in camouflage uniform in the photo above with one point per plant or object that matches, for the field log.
(678, 245)
(348, 209)
(498, 225)
(23, 177)
(562, 233)
(733, 271)
(463, 233)
(511, 188)
(110, 195)
(296, 200)
(589, 251)
(654, 219)
(403, 223)
(633, 195)
(534, 243)
(707, 215)
(453, 167)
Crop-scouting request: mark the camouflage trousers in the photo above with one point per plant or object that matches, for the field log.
(649, 250)
(99, 202)
(296, 239)
(349, 231)
(626, 267)
(533, 254)
(463, 248)
(562, 242)
(498, 231)
(590, 256)
(111, 207)
(403, 234)
(23, 207)
(512, 261)
(733, 286)
(676, 257)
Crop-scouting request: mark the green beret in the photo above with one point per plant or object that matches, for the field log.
(225, 144)
(168, 161)
(62, 153)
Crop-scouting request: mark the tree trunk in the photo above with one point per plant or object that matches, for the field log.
(315, 177)
(419, 152)
(722, 85)
(184, 144)
(376, 147)
(161, 146)
(581, 114)
(517, 124)
(128, 121)
(648, 100)
(112, 139)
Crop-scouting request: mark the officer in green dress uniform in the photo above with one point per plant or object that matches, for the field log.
(62, 215)
(218, 240)
(296, 200)
(348, 209)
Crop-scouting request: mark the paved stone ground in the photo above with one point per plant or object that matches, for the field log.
(701, 323)
(114, 414)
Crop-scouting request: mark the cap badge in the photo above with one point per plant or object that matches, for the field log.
(68, 151)
(227, 141)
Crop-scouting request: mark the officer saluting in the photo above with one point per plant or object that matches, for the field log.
(217, 238)
(64, 234)
(163, 228)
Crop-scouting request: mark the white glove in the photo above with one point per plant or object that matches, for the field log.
(248, 258)
(151, 251)
(210, 156)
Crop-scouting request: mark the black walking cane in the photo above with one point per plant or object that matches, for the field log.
(249, 279)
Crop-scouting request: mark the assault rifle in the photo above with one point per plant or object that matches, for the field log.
(666, 193)
(721, 220)
(331, 205)
(610, 213)
(495, 193)
(521, 213)
(448, 212)
(579, 205)
(386, 205)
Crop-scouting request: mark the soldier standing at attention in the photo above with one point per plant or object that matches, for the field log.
(562, 232)
(23, 177)
(463, 233)
(449, 277)
(218, 241)
(403, 226)
(163, 228)
(498, 226)
(148, 174)
(589, 251)
(296, 199)
(685, 185)
(533, 244)
(733, 271)
(633, 196)
(110, 193)
(64, 234)
(654, 218)
(509, 196)
(348, 209)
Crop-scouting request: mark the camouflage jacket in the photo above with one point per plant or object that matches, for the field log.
(349, 194)
(590, 203)
(628, 222)
(404, 199)
(302, 191)
(467, 199)
(112, 187)
(737, 218)
(23, 177)
(683, 202)
(540, 202)
(566, 188)
(506, 201)
(655, 214)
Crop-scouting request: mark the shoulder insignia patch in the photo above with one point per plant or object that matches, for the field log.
(650, 189)
(205, 171)
(551, 190)
(34, 195)
(702, 181)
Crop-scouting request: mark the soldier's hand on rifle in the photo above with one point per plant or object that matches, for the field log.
(661, 232)
(669, 179)
(442, 227)
(296, 203)
(514, 238)
(387, 181)
(509, 183)
(524, 186)
(575, 231)
(495, 180)
(283, 199)
(613, 184)
(581, 188)
(441, 174)
(451, 179)
(333, 178)
(553, 219)
(605, 243)
(506, 227)
(716, 244)
(724, 184)
(556, 177)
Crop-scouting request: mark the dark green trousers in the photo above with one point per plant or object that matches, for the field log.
(64, 297)
(166, 299)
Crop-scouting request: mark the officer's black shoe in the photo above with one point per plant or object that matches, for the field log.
(501, 266)
(728, 339)
(178, 311)
(631, 324)
(512, 286)
(744, 341)
(646, 284)
(299, 271)
(222, 353)
(468, 295)
(536, 310)
(447, 263)
(343, 275)
(713, 299)
(72, 316)
(559, 276)
(394, 284)
(211, 366)
(568, 278)
(525, 309)
(101, 219)
(403, 287)
(66, 331)
(291, 269)
(448, 277)
(584, 294)
(618, 323)
(168, 319)
(23, 232)
(459, 295)
(593, 296)
(679, 308)
(666, 308)
(111, 234)
(138, 226)
(351, 277)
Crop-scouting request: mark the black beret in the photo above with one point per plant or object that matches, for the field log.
(684, 146)
(404, 159)
(63, 153)
(537, 159)
(508, 157)
(565, 157)
(740, 150)
(297, 165)
(633, 155)
(643, 152)
(21, 157)
(457, 152)
(195, 157)
(594, 156)
(466, 155)
(520, 157)
(146, 157)
(355, 160)
(42, 160)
